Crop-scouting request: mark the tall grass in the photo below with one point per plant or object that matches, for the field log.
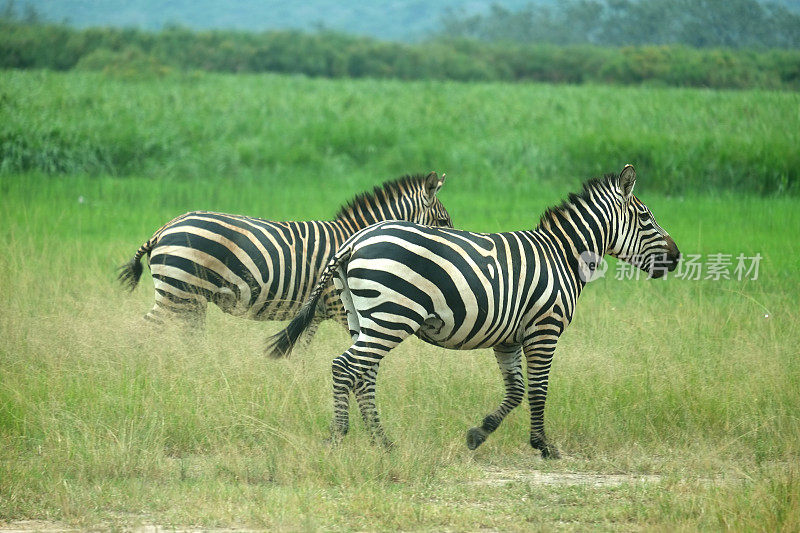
(277, 129)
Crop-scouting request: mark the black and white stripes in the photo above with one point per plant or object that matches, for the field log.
(514, 292)
(264, 270)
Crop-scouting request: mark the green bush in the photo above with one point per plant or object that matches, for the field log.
(128, 63)
(128, 52)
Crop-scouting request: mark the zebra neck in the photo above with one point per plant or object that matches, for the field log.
(350, 224)
(364, 213)
(579, 241)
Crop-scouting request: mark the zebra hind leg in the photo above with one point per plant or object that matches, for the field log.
(347, 314)
(509, 358)
(356, 370)
(193, 319)
(328, 307)
(308, 334)
(365, 396)
(189, 313)
(344, 379)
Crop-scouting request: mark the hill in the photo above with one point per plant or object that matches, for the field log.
(405, 20)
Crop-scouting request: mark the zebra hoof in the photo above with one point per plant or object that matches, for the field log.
(382, 441)
(475, 437)
(335, 438)
(550, 452)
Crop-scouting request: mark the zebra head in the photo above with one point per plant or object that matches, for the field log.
(430, 210)
(636, 236)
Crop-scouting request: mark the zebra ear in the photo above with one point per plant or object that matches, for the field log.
(432, 185)
(627, 179)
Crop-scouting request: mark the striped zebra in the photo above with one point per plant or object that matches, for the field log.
(514, 292)
(264, 270)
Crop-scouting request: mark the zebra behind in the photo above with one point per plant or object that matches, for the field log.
(513, 292)
(264, 270)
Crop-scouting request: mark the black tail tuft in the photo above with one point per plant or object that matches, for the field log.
(281, 344)
(130, 272)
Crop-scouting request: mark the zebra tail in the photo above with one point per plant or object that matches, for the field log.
(281, 344)
(130, 272)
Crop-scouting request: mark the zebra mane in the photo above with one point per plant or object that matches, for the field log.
(383, 193)
(589, 186)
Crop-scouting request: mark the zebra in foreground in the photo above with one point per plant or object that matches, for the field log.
(514, 292)
(264, 270)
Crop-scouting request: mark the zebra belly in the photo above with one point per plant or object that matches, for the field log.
(431, 332)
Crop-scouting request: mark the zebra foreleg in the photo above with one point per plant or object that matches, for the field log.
(539, 355)
(509, 358)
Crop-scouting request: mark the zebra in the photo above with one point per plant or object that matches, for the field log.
(514, 292)
(264, 270)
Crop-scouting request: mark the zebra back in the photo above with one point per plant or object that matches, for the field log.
(411, 198)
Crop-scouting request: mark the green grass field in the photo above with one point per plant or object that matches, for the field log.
(676, 403)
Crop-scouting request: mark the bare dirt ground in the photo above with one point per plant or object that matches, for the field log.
(27, 526)
(44, 526)
(501, 476)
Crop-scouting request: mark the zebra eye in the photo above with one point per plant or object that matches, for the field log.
(644, 217)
